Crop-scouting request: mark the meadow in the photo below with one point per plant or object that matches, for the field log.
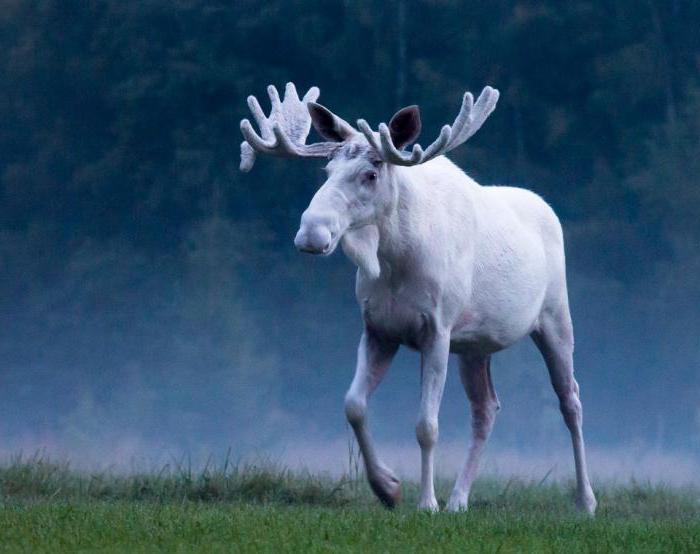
(48, 507)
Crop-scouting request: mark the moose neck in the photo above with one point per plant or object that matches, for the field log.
(411, 223)
(396, 235)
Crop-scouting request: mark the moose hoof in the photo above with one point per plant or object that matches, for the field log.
(458, 503)
(586, 503)
(430, 505)
(386, 486)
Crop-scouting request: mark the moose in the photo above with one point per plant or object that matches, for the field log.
(445, 265)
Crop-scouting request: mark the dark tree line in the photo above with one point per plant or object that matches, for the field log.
(119, 119)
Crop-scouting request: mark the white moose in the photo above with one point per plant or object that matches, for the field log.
(444, 265)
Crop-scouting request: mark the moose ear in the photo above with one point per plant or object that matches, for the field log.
(360, 245)
(405, 126)
(328, 125)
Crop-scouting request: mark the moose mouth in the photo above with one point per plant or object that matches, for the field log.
(323, 251)
(331, 249)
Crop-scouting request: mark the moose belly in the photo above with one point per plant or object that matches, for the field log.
(493, 326)
(489, 336)
(395, 319)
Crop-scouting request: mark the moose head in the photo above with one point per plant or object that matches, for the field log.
(361, 184)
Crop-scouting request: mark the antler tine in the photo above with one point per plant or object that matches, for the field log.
(247, 157)
(311, 95)
(393, 154)
(385, 146)
(463, 119)
(257, 111)
(470, 118)
(256, 141)
(366, 130)
(282, 133)
(438, 146)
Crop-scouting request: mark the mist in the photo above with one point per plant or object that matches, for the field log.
(153, 308)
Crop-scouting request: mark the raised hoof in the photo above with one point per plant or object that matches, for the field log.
(387, 487)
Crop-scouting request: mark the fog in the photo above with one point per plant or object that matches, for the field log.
(124, 365)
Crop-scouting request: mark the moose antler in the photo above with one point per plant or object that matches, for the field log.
(470, 118)
(284, 132)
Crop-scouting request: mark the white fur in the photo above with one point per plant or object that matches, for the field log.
(446, 265)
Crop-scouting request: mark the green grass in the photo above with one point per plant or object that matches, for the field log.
(46, 507)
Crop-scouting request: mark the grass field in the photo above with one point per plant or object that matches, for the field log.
(46, 507)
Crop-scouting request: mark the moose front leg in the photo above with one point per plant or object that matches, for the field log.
(373, 359)
(433, 373)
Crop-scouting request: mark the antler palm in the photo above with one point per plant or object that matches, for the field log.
(284, 131)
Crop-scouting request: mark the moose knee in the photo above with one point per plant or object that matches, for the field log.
(355, 408)
(427, 432)
(571, 409)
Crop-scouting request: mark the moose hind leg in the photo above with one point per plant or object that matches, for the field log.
(475, 372)
(373, 359)
(555, 340)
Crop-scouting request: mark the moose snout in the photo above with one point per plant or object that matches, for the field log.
(316, 240)
(315, 235)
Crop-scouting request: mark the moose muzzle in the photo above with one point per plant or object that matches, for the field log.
(317, 233)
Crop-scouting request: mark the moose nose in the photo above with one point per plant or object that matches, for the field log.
(314, 240)
(316, 231)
